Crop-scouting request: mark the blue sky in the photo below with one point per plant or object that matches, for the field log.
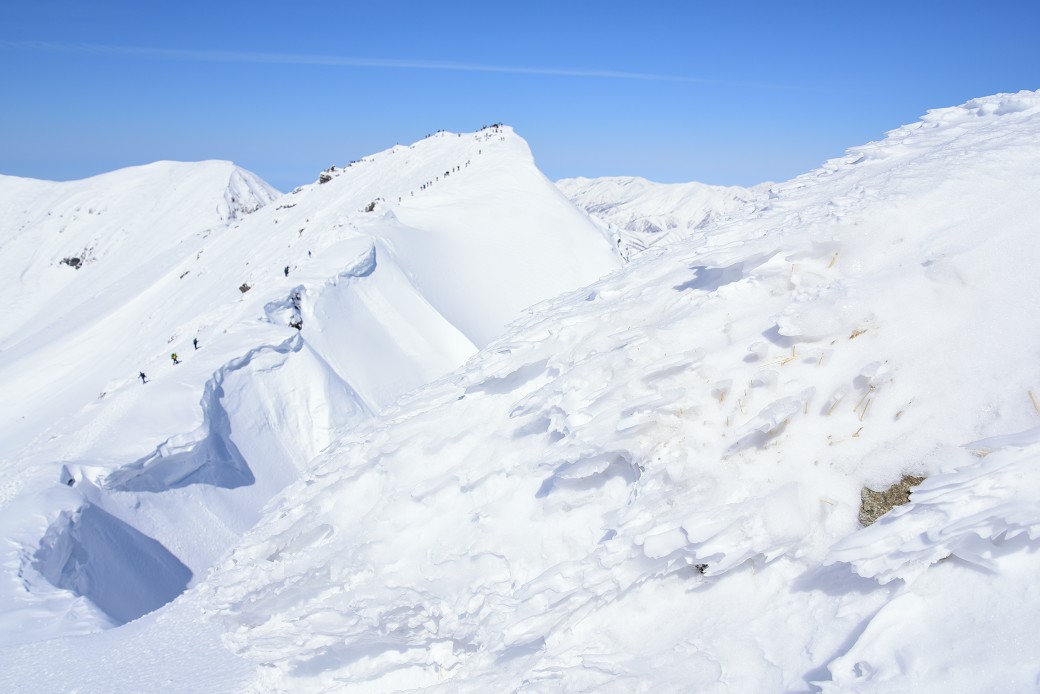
(720, 92)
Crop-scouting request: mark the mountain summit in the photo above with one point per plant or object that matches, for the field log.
(183, 340)
(655, 481)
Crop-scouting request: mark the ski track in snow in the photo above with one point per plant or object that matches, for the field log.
(648, 483)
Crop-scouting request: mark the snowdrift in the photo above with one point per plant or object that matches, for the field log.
(653, 482)
(293, 318)
(650, 483)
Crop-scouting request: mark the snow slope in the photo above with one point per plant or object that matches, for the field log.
(640, 213)
(123, 228)
(117, 494)
(652, 483)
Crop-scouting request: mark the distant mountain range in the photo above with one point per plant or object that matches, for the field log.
(437, 434)
(641, 213)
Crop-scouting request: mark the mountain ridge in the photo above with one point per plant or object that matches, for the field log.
(313, 310)
(649, 480)
(540, 518)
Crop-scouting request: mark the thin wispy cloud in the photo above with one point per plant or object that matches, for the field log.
(252, 57)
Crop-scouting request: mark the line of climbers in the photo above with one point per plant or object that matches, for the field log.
(173, 357)
(295, 322)
(428, 184)
(493, 129)
(195, 341)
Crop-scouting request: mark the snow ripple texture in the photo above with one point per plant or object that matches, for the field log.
(652, 483)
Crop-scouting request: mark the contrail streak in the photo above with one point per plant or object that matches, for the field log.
(334, 60)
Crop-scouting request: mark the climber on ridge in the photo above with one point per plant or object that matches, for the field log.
(175, 359)
(144, 379)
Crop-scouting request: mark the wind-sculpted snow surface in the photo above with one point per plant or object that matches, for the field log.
(123, 572)
(180, 345)
(210, 456)
(652, 484)
(966, 548)
(976, 513)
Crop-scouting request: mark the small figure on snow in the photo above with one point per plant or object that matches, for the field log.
(286, 270)
(144, 379)
(174, 358)
(195, 342)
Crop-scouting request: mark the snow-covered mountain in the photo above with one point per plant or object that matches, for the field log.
(639, 213)
(649, 483)
(312, 311)
(654, 483)
(76, 254)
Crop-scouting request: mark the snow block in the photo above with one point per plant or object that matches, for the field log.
(121, 570)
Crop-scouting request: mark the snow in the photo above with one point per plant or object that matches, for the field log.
(648, 481)
(639, 213)
(123, 572)
(100, 467)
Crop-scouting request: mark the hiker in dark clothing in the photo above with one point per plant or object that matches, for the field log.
(195, 341)
(286, 270)
(144, 379)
